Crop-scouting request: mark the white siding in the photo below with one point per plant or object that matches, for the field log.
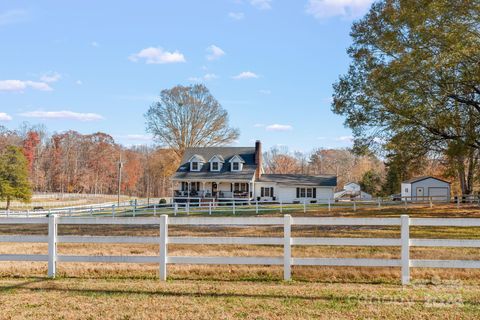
(406, 190)
(432, 187)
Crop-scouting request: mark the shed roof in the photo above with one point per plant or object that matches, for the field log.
(418, 179)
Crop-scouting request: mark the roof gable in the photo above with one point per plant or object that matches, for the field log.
(217, 158)
(418, 179)
(237, 158)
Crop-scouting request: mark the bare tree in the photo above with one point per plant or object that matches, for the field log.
(280, 161)
(189, 117)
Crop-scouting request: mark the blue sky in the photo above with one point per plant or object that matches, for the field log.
(98, 65)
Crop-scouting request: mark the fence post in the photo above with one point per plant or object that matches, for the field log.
(458, 202)
(233, 207)
(28, 213)
(431, 203)
(154, 210)
(287, 247)
(405, 239)
(329, 205)
(256, 206)
(281, 206)
(187, 208)
(406, 204)
(304, 206)
(163, 246)
(52, 245)
(70, 212)
(379, 203)
(91, 210)
(210, 208)
(175, 208)
(354, 205)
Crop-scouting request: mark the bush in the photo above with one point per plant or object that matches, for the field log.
(163, 201)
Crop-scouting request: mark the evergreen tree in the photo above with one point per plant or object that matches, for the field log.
(14, 183)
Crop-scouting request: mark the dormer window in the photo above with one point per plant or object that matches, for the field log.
(216, 163)
(195, 166)
(196, 163)
(236, 163)
(235, 166)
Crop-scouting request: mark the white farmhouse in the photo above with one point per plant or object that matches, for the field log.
(214, 174)
(424, 188)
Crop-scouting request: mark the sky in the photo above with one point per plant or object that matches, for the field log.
(98, 65)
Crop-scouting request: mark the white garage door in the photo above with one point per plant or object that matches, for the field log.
(438, 194)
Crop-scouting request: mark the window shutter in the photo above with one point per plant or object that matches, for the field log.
(271, 192)
(315, 193)
(298, 192)
(262, 192)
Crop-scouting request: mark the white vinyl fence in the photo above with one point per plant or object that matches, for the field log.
(134, 208)
(287, 241)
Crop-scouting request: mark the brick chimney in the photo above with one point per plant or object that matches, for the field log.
(258, 159)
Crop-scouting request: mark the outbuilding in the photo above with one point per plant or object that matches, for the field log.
(424, 188)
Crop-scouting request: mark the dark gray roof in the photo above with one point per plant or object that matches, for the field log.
(417, 179)
(300, 180)
(227, 153)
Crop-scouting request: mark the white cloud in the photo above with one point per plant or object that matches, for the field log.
(21, 85)
(245, 75)
(51, 77)
(13, 16)
(206, 77)
(261, 4)
(157, 56)
(236, 15)
(279, 127)
(265, 91)
(345, 139)
(68, 115)
(95, 44)
(322, 9)
(214, 52)
(5, 117)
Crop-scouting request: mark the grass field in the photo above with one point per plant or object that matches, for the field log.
(119, 291)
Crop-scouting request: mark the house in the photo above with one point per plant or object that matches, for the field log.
(424, 188)
(352, 191)
(213, 174)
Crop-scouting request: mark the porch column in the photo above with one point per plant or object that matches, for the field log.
(188, 190)
(233, 190)
(203, 191)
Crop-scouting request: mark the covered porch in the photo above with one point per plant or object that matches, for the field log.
(213, 190)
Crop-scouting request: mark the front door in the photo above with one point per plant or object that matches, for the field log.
(420, 193)
(214, 188)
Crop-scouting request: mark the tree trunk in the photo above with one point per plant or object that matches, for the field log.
(8, 203)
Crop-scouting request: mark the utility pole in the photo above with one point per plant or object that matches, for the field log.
(120, 166)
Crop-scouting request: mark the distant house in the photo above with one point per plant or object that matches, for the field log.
(424, 188)
(226, 173)
(352, 191)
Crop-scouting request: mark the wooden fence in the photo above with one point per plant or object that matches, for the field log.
(287, 241)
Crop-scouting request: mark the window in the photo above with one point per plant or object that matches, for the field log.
(406, 189)
(195, 166)
(215, 166)
(266, 192)
(235, 166)
(306, 192)
(240, 187)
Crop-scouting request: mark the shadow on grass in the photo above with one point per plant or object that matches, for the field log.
(356, 297)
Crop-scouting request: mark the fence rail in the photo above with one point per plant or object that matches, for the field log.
(287, 241)
(235, 207)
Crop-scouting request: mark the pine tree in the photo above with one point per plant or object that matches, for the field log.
(14, 183)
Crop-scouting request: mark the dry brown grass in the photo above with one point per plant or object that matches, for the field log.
(121, 291)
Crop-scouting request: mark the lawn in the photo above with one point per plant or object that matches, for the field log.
(120, 291)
